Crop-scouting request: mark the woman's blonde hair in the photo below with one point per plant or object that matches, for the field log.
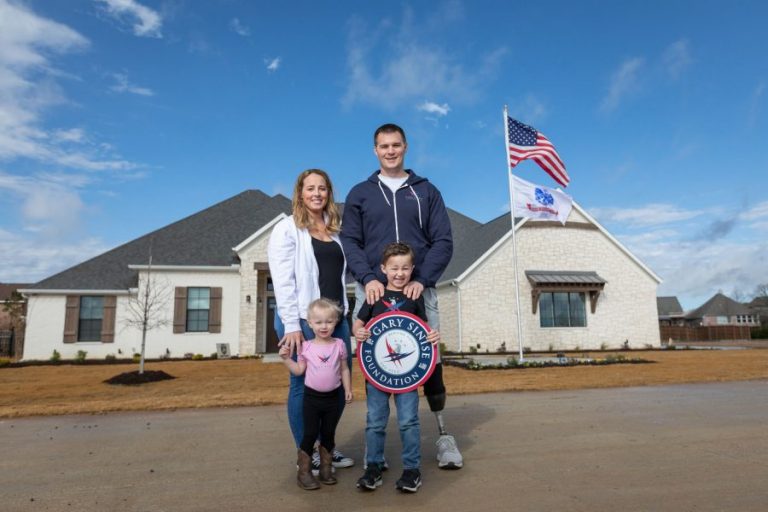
(301, 214)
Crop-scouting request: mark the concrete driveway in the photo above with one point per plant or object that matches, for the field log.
(680, 448)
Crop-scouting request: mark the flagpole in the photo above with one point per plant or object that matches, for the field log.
(514, 238)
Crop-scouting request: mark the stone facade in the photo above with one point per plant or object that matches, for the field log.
(253, 278)
(485, 298)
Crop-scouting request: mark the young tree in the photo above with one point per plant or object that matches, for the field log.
(147, 309)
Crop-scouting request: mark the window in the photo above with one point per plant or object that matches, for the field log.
(90, 319)
(722, 320)
(562, 309)
(198, 309)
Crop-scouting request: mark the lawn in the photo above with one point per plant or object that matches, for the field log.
(71, 389)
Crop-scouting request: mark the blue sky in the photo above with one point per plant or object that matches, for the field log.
(118, 117)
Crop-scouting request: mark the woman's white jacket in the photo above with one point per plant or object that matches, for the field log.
(294, 271)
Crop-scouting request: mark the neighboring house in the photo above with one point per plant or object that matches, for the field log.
(722, 310)
(579, 288)
(670, 311)
(759, 307)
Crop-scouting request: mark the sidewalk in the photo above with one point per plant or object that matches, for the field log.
(676, 448)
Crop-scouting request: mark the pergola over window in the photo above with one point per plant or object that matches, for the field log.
(563, 281)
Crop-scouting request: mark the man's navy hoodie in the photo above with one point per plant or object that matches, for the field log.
(375, 217)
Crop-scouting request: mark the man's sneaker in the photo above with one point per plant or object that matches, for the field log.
(371, 479)
(410, 481)
(316, 464)
(448, 455)
(341, 461)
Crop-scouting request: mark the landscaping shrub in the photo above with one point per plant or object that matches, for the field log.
(55, 357)
(80, 357)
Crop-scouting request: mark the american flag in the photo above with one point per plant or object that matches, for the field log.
(525, 142)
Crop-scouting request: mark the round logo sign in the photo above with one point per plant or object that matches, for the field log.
(397, 358)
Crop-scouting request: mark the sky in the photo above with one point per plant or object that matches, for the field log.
(118, 117)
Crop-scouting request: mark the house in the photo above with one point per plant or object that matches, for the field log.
(670, 311)
(759, 306)
(579, 288)
(722, 310)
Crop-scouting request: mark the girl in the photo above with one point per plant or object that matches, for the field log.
(322, 361)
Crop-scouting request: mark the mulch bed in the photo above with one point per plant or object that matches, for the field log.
(135, 378)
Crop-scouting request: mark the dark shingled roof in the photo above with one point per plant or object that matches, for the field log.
(719, 305)
(204, 238)
(472, 239)
(668, 306)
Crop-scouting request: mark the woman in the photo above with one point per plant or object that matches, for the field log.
(306, 262)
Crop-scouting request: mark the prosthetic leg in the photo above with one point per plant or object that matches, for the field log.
(448, 455)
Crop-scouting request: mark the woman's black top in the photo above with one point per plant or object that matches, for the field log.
(330, 262)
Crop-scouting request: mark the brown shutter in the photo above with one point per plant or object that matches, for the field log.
(180, 310)
(108, 319)
(71, 318)
(214, 323)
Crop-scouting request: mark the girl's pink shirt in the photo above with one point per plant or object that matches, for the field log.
(323, 364)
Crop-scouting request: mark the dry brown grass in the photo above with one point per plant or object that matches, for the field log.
(70, 389)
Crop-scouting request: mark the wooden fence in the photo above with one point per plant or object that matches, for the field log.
(705, 333)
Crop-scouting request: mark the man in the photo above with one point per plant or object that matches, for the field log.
(396, 205)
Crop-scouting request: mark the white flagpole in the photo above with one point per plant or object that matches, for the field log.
(514, 238)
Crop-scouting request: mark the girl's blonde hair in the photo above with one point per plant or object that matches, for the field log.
(323, 304)
(300, 213)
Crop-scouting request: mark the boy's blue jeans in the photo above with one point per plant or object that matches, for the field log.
(296, 389)
(407, 405)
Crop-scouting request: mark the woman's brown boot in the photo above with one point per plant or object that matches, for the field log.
(304, 477)
(326, 467)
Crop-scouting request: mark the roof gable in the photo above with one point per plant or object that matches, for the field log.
(474, 247)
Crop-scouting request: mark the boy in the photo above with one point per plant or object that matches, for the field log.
(397, 266)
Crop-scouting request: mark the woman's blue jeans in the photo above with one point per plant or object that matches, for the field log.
(296, 389)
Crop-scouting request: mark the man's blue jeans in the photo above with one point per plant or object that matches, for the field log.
(407, 405)
(296, 389)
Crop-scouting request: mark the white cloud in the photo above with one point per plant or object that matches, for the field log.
(434, 108)
(654, 214)
(145, 22)
(695, 251)
(272, 64)
(47, 205)
(389, 62)
(759, 211)
(624, 82)
(70, 135)
(27, 259)
(676, 58)
(238, 28)
(122, 85)
(28, 89)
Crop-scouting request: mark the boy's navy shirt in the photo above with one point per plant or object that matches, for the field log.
(374, 217)
(393, 301)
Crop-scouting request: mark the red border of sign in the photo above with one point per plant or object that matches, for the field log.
(432, 363)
